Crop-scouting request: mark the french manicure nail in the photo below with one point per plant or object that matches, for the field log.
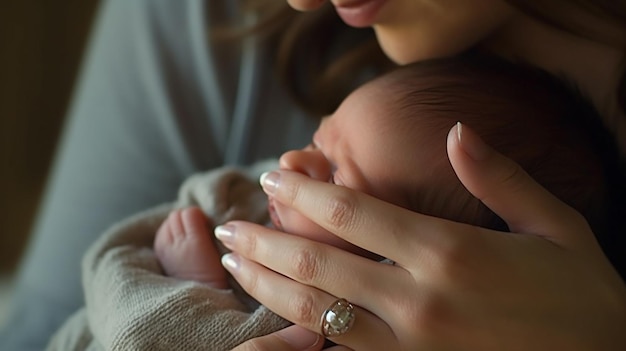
(471, 143)
(225, 233)
(230, 262)
(269, 182)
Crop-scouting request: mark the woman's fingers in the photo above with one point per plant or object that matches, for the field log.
(359, 218)
(457, 286)
(313, 264)
(293, 338)
(508, 190)
(304, 305)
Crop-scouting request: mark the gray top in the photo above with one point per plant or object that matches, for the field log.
(155, 103)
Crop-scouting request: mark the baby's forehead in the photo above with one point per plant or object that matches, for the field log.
(379, 93)
(367, 107)
(380, 108)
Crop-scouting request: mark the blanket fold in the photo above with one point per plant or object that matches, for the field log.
(131, 305)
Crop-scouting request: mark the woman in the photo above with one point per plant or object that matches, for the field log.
(157, 103)
(570, 297)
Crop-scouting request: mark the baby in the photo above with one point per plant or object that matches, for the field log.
(387, 139)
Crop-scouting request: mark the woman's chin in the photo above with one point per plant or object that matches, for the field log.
(403, 48)
(392, 45)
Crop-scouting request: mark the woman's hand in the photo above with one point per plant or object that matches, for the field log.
(454, 286)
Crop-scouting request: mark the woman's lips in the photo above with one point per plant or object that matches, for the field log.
(359, 13)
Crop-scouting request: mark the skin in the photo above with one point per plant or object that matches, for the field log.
(433, 299)
(433, 28)
(357, 149)
(185, 250)
(345, 151)
(360, 146)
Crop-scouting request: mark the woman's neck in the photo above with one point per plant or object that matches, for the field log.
(595, 68)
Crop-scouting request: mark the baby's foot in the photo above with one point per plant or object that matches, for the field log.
(184, 247)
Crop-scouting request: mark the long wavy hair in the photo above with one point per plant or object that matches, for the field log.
(317, 72)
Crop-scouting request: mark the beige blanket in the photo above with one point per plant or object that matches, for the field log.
(131, 305)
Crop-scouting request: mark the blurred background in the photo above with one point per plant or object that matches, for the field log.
(41, 45)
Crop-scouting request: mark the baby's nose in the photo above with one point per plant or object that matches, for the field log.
(309, 162)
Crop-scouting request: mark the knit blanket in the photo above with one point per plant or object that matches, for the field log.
(131, 305)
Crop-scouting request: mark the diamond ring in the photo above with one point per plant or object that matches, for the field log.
(338, 318)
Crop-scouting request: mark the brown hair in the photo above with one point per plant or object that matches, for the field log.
(317, 72)
(575, 17)
(538, 120)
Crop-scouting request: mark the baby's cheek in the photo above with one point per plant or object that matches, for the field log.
(295, 223)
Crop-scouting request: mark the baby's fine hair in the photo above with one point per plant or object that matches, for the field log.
(538, 120)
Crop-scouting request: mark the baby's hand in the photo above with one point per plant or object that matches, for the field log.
(186, 250)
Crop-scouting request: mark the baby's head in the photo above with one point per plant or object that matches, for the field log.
(388, 139)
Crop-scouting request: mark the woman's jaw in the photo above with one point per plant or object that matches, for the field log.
(306, 5)
(416, 30)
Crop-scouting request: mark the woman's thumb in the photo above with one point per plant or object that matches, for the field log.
(504, 187)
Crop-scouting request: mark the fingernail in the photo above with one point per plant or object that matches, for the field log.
(299, 338)
(230, 262)
(471, 143)
(225, 233)
(269, 182)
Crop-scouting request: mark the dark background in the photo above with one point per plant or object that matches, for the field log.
(41, 46)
